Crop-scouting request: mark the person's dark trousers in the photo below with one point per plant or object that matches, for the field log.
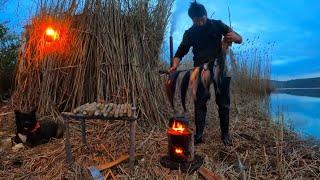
(200, 109)
(223, 102)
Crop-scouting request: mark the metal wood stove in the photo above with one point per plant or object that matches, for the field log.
(181, 147)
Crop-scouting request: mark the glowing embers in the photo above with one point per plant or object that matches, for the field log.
(178, 151)
(51, 35)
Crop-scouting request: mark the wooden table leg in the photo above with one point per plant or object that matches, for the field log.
(132, 154)
(83, 131)
(70, 159)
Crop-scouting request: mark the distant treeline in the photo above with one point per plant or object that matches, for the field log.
(297, 83)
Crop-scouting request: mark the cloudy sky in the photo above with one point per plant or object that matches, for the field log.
(293, 25)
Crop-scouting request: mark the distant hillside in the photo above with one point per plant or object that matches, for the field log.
(297, 83)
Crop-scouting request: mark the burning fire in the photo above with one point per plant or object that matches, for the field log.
(179, 151)
(51, 34)
(178, 126)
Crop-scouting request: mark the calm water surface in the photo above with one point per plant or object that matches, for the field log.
(301, 112)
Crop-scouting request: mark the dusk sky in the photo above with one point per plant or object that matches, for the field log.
(292, 24)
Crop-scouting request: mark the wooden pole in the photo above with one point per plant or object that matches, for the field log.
(83, 131)
(70, 159)
(132, 154)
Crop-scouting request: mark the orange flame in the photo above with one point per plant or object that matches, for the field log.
(179, 151)
(178, 126)
(51, 34)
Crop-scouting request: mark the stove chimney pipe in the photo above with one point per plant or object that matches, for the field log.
(171, 51)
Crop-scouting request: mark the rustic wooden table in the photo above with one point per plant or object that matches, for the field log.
(132, 138)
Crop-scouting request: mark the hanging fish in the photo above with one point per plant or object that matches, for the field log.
(170, 86)
(193, 83)
(219, 65)
(206, 76)
(184, 89)
(217, 74)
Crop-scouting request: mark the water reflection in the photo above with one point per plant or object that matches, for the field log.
(301, 112)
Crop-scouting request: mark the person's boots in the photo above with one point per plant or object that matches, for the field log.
(224, 126)
(200, 120)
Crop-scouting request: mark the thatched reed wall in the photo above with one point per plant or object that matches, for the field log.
(107, 50)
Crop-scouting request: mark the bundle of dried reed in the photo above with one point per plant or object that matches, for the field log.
(105, 50)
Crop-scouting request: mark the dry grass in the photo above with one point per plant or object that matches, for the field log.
(267, 150)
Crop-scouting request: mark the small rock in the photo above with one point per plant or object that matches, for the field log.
(18, 147)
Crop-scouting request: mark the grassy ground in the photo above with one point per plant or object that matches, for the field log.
(267, 150)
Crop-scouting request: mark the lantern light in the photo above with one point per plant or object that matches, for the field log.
(51, 34)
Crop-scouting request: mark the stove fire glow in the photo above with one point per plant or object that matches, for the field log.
(178, 126)
(179, 151)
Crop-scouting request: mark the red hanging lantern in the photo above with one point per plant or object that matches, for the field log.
(51, 35)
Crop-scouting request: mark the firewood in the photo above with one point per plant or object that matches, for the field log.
(97, 113)
(109, 109)
(121, 110)
(79, 110)
(115, 162)
(117, 111)
(207, 174)
(92, 109)
(110, 106)
(104, 108)
(4, 114)
(125, 110)
(112, 112)
(129, 111)
(100, 106)
(110, 173)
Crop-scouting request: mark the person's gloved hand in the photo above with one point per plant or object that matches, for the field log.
(175, 64)
(232, 37)
(172, 69)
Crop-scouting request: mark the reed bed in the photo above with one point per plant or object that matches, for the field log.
(107, 50)
(252, 71)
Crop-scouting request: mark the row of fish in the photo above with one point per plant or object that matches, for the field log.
(190, 81)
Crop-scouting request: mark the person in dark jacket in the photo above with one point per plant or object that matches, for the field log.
(205, 37)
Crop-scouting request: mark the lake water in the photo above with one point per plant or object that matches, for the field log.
(301, 109)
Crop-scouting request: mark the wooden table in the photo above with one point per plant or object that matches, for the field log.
(132, 138)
